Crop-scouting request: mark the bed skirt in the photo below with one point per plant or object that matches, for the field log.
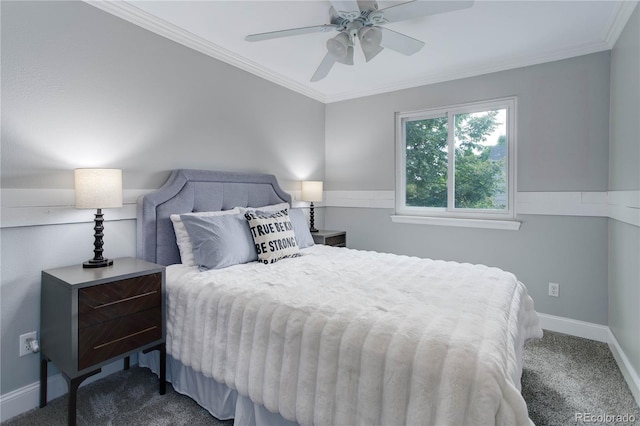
(218, 399)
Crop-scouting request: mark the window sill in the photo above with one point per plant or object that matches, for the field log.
(510, 225)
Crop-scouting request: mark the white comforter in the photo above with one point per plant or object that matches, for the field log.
(348, 337)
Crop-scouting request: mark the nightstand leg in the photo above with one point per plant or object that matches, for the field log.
(127, 363)
(162, 348)
(163, 369)
(43, 380)
(74, 384)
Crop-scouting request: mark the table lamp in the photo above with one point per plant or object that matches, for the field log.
(311, 191)
(98, 189)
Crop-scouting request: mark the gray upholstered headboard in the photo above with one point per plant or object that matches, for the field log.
(192, 191)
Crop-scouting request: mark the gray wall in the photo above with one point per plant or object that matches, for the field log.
(562, 145)
(82, 88)
(624, 174)
(563, 110)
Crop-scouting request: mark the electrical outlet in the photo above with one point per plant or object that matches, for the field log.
(554, 289)
(25, 348)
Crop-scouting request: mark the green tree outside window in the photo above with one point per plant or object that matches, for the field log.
(480, 168)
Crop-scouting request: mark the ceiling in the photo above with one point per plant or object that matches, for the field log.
(487, 37)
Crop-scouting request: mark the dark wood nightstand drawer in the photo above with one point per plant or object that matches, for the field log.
(330, 238)
(105, 302)
(112, 338)
(337, 240)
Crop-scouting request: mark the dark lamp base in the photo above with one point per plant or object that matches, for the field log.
(312, 228)
(97, 263)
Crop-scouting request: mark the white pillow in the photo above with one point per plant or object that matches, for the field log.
(273, 235)
(182, 236)
(269, 208)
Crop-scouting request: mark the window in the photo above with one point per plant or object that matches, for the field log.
(457, 161)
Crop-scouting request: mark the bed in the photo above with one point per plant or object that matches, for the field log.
(331, 336)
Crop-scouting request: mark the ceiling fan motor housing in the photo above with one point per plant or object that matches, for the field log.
(352, 21)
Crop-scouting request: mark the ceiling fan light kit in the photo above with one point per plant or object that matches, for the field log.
(363, 20)
(370, 39)
(339, 47)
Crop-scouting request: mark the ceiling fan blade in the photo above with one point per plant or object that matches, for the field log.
(345, 5)
(291, 32)
(324, 68)
(416, 9)
(400, 42)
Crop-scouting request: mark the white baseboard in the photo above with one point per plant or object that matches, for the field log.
(586, 330)
(599, 333)
(629, 373)
(28, 397)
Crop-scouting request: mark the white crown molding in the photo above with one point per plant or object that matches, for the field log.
(156, 25)
(172, 32)
(618, 21)
(516, 61)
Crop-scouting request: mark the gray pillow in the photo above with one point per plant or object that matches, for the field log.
(300, 227)
(220, 241)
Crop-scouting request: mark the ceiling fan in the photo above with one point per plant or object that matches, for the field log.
(362, 20)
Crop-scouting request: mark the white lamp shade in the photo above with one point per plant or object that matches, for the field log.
(98, 188)
(312, 190)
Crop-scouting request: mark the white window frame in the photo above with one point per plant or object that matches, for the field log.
(450, 215)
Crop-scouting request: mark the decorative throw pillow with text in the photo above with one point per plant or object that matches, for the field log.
(273, 235)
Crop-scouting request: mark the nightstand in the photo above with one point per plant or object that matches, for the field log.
(330, 238)
(90, 317)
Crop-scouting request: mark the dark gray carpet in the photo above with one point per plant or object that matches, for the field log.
(125, 398)
(566, 379)
(563, 376)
